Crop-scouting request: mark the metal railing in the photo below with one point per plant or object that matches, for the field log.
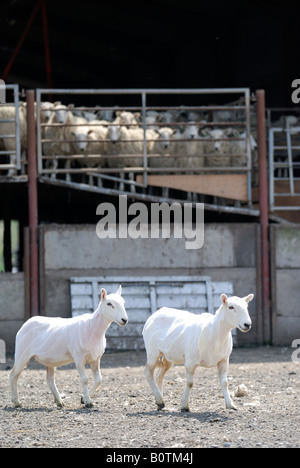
(59, 157)
(10, 138)
(284, 163)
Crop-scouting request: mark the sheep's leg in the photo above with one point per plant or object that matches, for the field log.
(223, 368)
(99, 182)
(122, 184)
(86, 400)
(149, 373)
(14, 376)
(53, 387)
(95, 366)
(68, 167)
(189, 385)
(132, 186)
(13, 160)
(54, 164)
(166, 365)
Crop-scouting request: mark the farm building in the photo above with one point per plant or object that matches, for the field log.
(73, 146)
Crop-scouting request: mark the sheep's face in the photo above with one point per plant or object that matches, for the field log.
(61, 113)
(236, 312)
(126, 118)
(114, 133)
(112, 307)
(218, 145)
(81, 136)
(166, 135)
(46, 111)
(191, 132)
(166, 117)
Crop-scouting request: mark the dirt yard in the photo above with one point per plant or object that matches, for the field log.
(125, 414)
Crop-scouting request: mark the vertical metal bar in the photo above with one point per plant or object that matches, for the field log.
(264, 211)
(42, 282)
(248, 145)
(209, 295)
(26, 274)
(145, 162)
(17, 123)
(95, 294)
(38, 132)
(32, 205)
(153, 298)
(271, 168)
(290, 158)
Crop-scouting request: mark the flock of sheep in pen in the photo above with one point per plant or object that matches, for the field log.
(115, 139)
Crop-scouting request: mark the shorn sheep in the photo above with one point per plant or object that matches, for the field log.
(56, 342)
(178, 337)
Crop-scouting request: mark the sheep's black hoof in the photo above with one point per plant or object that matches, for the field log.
(160, 407)
(89, 405)
(185, 410)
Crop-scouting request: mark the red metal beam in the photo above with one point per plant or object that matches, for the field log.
(46, 45)
(22, 39)
(32, 205)
(264, 213)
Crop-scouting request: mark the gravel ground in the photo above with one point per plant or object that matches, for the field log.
(125, 413)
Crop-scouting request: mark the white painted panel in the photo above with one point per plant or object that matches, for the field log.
(145, 295)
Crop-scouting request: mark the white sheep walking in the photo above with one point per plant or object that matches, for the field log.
(56, 342)
(178, 337)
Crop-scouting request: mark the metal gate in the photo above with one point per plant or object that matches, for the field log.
(115, 168)
(284, 168)
(144, 296)
(10, 138)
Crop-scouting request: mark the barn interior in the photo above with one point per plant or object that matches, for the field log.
(132, 45)
(166, 44)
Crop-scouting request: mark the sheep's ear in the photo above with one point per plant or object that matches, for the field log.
(249, 298)
(231, 132)
(205, 131)
(119, 291)
(224, 299)
(103, 294)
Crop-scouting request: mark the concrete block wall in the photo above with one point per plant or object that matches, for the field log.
(286, 283)
(12, 307)
(228, 254)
